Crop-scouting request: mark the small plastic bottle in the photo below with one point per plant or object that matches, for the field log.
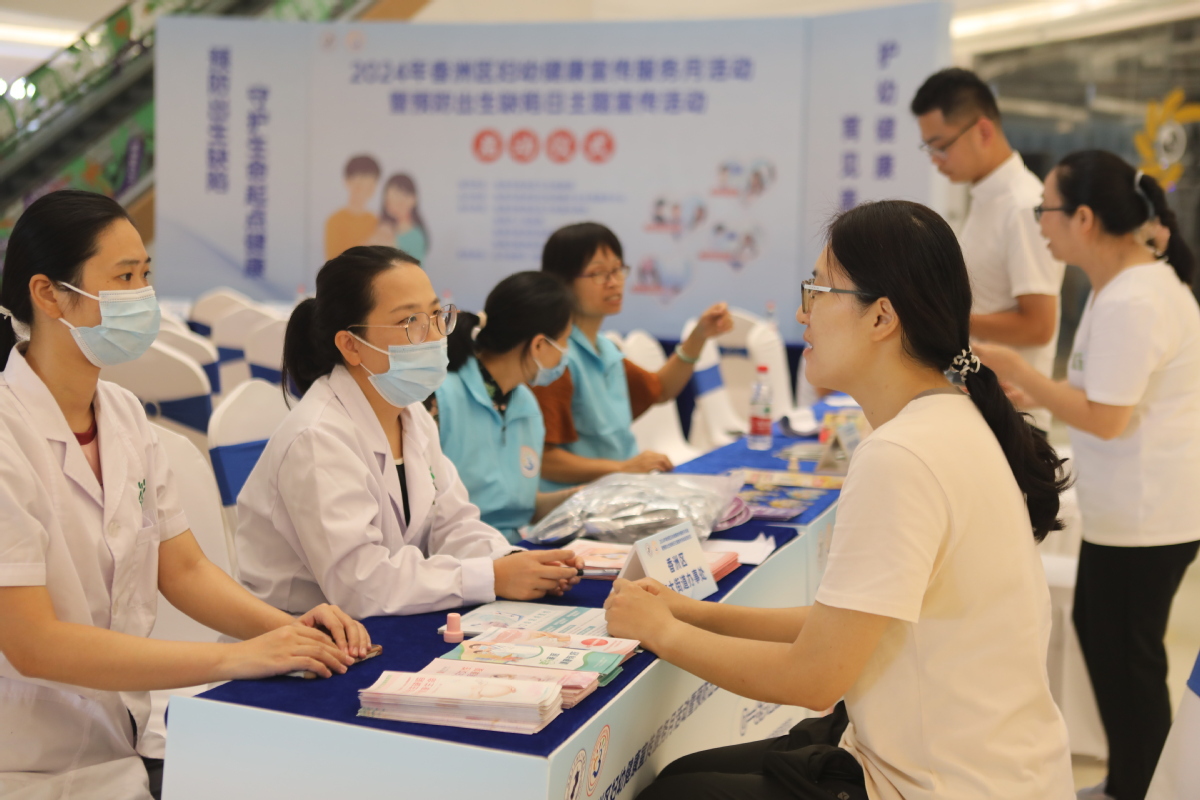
(760, 412)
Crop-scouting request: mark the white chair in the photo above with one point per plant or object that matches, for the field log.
(264, 350)
(211, 306)
(197, 492)
(1069, 681)
(659, 428)
(172, 386)
(714, 422)
(737, 368)
(199, 348)
(230, 333)
(765, 346)
(237, 435)
(1178, 771)
(170, 322)
(615, 338)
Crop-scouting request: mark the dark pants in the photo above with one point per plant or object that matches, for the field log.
(1122, 600)
(154, 769)
(804, 765)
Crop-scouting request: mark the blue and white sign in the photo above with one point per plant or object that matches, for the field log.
(674, 558)
(715, 150)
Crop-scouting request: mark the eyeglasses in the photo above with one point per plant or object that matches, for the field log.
(601, 278)
(417, 326)
(1039, 210)
(808, 289)
(939, 151)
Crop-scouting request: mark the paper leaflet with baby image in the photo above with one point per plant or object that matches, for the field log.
(532, 655)
(575, 684)
(515, 706)
(572, 620)
(597, 644)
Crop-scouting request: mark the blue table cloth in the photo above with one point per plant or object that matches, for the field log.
(411, 642)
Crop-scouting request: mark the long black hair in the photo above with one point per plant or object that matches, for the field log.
(570, 248)
(345, 296)
(907, 253)
(53, 237)
(519, 308)
(404, 183)
(1105, 183)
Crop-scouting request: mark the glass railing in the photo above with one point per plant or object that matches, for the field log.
(33, 100)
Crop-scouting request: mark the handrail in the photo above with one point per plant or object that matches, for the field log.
(43, 93)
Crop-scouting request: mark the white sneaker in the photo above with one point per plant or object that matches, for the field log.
(1095, 792)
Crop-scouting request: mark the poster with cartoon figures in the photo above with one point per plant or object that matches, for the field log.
(467, 145)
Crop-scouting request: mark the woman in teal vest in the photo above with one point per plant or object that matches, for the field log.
(590, 410)
(490, 423)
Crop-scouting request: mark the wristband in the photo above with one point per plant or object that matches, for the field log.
(683, 357)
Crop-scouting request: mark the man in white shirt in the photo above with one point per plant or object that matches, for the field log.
(1015, 283)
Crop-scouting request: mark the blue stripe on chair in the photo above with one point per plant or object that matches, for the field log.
(199, 327)
(232, 464)
(706, 380)
(213, 371)
(266, 373)
(191, 411)
(230, 354)
(740, 352)
(1194, 681)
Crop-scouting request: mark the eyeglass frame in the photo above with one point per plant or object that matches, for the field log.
(601, 278)
(1039, 210)
(939, 151)
(807, 288)
(446, 328)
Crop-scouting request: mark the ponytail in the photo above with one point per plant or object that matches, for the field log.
(54, 237)
(1034, 463)
(907, 253)
(1123, 199)
(8, 338)
(460, 344)
(1179, 255)
(345, 296)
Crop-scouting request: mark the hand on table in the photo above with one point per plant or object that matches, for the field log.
(290, 648)
(532, 574)
(348, 634)
(635, 612)
(648, 461)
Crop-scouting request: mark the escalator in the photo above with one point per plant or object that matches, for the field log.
(85, 119)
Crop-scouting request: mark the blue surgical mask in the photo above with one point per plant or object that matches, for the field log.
(129, 320)
(415, 371)
(548, 375)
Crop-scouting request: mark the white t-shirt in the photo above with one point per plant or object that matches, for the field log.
(933, 532)
(1007, 256)
(1138, 344)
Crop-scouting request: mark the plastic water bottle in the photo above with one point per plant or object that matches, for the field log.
(760, 412)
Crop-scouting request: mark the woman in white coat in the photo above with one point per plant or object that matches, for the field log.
(91, 527)
(353, 500)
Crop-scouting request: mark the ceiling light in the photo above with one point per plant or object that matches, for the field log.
(47, 37)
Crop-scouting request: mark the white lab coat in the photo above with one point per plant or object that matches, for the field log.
(96, 551)
(319, 518)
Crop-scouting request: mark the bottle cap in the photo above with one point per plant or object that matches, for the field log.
(453, 634)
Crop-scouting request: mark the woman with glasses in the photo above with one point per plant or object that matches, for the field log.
(1131, 402)
(353, 497)
(589, 411)
(489, 421)
(92, 526)
(932, 620)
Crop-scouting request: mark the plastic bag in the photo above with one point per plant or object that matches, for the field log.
(624, 508)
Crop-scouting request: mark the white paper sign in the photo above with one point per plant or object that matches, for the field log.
(675, 558)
